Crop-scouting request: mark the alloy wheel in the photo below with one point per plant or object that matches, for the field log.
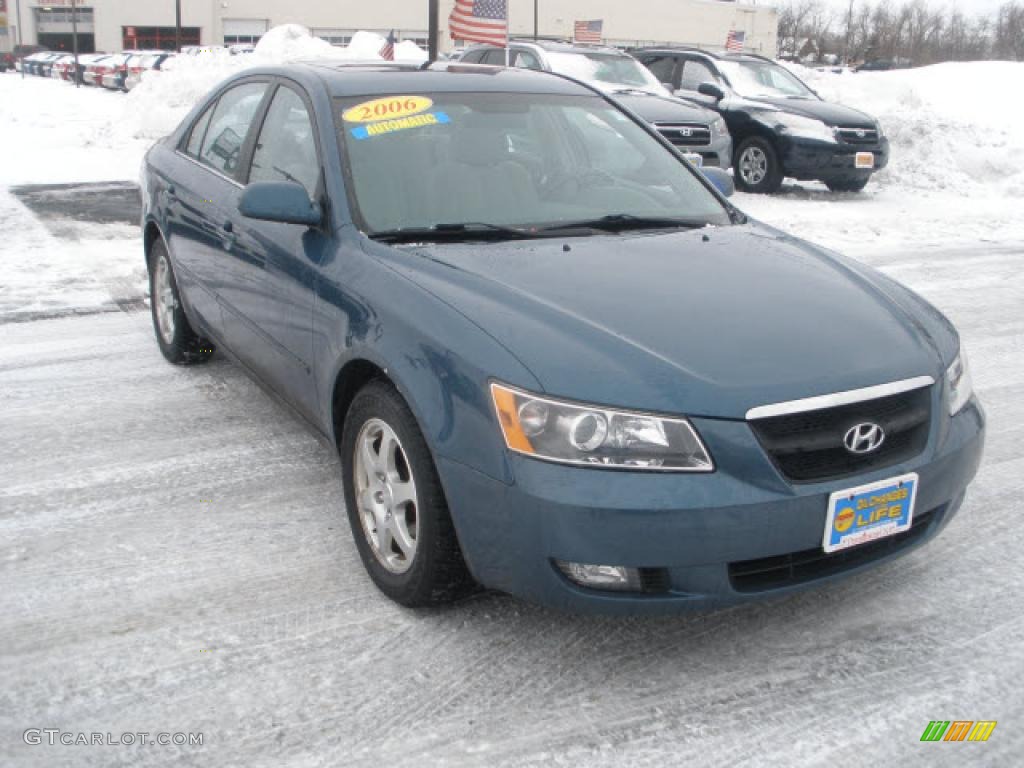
(385, 492)
(163, 299)
(753, 166)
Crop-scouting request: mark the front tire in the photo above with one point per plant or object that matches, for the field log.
(395, 503)
(756, 166)
(178, 342)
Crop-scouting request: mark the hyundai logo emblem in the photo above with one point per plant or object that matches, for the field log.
(685, 132)
(861, 133)
(864, 438)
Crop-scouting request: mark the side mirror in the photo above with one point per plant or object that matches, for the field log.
(712, 90)
(283, 201)
(721, 179)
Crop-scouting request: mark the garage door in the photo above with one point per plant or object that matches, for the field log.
(244, 30)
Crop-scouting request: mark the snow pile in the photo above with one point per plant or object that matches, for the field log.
(957, 127)
(158, 104)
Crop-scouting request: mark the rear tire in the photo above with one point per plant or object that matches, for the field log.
(847, 185)
(395, 503)
(756, 166)
(178, 342)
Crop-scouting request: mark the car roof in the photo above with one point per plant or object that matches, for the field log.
(561, 46)
(692, 49)
(343, 78)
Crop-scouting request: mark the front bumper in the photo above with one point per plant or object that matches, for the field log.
(717, 154)
(697, 529)
(807, 159)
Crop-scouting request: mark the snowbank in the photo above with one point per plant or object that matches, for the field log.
(956, 127)
(157, 105)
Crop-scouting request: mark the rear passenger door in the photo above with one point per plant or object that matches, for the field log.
(204, 201)
(274, 332)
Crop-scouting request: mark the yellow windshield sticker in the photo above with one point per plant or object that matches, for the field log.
(387, 108)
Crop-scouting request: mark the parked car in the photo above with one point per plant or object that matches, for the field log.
(694, 130)
(84, 60)
(144, 62)
(7, 61)
(34, 64)
(96, 69)
(21, 52)
(114, 71)
(780, 127)
(62, 67)
(580, 375)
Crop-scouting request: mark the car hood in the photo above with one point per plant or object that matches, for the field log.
(827, 112)
(707, 322)
(664, 109)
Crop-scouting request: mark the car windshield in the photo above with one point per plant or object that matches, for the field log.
(764, 78)
(607, 71)
(519, 160)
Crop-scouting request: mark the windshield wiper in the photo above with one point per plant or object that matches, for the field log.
(470, 230)
(619, 222)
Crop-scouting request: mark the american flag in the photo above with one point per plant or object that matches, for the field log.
(480, 21)
(734, 41)
(387, 51)
(588, 31)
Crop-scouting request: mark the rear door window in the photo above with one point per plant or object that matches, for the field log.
(662, 67)
(229, 125)
(195, 139)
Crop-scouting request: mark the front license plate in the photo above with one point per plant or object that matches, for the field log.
(864, 160)
(869, 512)
(695, 159)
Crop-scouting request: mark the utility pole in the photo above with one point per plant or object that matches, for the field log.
(177, 25)
(535, 19)
(74, 37)
(19, 41)
(432, 30)
(849, 32)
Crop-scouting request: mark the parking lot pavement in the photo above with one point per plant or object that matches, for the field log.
(174, 558)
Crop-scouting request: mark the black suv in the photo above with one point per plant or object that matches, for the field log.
(779, 126)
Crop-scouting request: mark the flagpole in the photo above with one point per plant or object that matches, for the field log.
(432, 30)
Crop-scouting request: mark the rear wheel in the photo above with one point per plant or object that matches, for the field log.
(756, 166)
(396, 507)
(178, 342)
(847, 185)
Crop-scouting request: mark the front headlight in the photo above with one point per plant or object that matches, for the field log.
(878, 127)
(573, 433)
(804, 127)
(958, 383)
(719, 127)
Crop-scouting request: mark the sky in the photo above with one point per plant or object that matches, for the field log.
(969, 7)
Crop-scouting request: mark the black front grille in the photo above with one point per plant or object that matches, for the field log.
(808, 447)
(799, 567)
(685, 134)
(858, 135)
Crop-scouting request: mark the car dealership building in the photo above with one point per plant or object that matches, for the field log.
(111, 25)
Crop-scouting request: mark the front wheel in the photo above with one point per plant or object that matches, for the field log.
(178, 342)
(396, 507)
(756, 166)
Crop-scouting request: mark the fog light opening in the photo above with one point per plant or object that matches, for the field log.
(609, 577)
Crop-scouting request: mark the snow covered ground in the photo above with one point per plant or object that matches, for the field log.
(174, 555)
